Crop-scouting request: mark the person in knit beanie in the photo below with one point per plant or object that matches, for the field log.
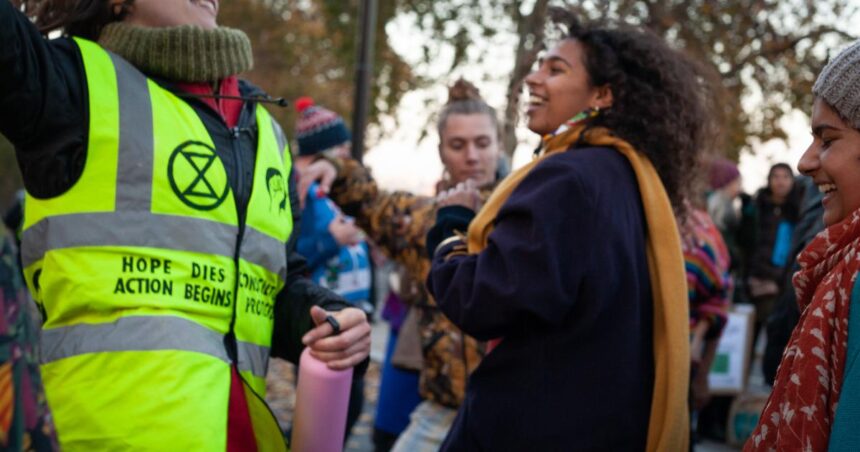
(838, 85)
(723, 172)
(158, 234)
(724, 181)
(320, 130)
(815, 403)
(338, 256)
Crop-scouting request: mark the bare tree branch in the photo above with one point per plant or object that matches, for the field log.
(531, 37)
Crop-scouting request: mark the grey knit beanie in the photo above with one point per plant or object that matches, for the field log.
(839, 84)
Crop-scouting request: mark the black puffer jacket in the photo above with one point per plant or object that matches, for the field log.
(768, 218)
(44, 113)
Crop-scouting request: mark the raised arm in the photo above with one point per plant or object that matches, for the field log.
(42, 103)
(395, 221)
(533, 267)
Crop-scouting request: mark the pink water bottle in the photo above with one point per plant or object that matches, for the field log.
(322, 399)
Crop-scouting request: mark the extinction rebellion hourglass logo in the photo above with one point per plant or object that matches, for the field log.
(195, 177)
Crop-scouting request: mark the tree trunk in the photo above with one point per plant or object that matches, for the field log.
(530, 29)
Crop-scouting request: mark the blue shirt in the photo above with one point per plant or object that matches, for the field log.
(344, 270)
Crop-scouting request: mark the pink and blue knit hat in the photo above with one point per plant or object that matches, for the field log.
(317, 128)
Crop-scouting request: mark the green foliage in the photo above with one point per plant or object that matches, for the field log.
(309, 48)
(767, 53)
(462, 23)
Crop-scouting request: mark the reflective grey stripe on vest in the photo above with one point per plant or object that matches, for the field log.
(143, 229)
(279, 136)
(146, 333)
(253, 357)
(257, 248)
(136, 139)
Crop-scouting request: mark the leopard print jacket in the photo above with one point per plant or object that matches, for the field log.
(398, 223)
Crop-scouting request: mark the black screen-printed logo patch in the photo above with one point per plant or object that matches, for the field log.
(196, 176)
(277, 190)
(37, 275)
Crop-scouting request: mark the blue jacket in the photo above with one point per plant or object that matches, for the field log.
(344, 270)
(845, 435)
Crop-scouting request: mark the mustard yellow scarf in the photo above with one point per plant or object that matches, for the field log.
(668, 429)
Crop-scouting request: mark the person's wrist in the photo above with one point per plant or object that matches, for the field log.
(454, 239)
(456, 216)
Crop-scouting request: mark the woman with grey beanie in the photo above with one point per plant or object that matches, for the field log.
(815, 404)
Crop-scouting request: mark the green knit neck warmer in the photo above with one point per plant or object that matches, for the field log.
(183, 54)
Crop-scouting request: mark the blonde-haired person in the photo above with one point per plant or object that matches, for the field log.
(398, 222)
(816, 395)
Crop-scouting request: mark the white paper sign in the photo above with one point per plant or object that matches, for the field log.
(729, 370)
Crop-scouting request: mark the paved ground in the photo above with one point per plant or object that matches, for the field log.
(281, 388)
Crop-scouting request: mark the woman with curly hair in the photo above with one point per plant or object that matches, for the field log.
(574, 267)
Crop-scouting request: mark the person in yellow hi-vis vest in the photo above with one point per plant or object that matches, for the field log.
(157, 226)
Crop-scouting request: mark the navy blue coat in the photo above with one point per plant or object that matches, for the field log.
(565, 281)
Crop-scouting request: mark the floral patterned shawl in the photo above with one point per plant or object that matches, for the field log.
(799, 414)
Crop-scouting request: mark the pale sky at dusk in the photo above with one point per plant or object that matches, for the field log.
(399, 161)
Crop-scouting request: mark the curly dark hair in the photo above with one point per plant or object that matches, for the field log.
(661, 98)
(83, 18)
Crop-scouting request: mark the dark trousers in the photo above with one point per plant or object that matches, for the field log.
(356, 403)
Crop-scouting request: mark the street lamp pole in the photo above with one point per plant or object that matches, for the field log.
(363, 73)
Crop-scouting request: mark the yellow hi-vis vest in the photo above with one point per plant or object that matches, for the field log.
(151, 285)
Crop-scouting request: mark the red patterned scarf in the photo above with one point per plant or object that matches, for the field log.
(799, 413)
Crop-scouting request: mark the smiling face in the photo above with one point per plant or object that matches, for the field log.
(172, 13)
(560, 88)
(833, 162)
(470, 148)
